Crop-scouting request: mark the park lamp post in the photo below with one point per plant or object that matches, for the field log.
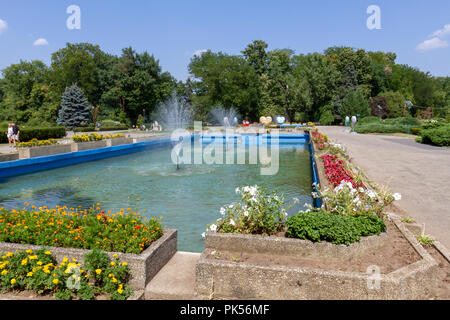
(409, 104)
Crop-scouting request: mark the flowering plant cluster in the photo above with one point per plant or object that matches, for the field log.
(347, 200)
(258, 212)
(37, 143)
(95, 137)
(39, 271)
(336, 172)
(127, 232)
(320, 139)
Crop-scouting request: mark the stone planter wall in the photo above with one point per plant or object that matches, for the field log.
(27, 153)
(9, 157)
(80, 146)
(293, 247)
(143, 266)
(118, 142)
(242, 280)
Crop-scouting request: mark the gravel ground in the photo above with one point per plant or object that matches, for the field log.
(421, 173)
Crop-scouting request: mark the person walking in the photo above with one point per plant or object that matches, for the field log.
(9, 135)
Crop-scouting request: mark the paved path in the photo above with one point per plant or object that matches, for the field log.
(421, 173)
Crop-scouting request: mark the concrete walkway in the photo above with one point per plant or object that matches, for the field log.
(176, 280)
(421, 173)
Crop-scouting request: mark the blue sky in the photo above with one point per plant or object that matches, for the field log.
(174, 30)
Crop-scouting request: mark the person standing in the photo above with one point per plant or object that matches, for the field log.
(10, 134)
(16, 133)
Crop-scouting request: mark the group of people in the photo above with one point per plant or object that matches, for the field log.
(13, 134)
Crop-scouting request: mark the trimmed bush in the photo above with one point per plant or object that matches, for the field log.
(322, 226)
(113, 128)
(370, 119)
(84, 129)
(28, 134)
(439, 136)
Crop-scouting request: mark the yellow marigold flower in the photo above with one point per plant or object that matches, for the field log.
(29, 251)
(115, 255)
(13, 281)
(55, 281)
(39, 263)
(110, 275)
(24, 261)
(98, 271)
(29, 274)
(120, 291)
(47, 252)
(113, 263)
(32, 257)
(65, 260)
(9, 254)
(124, 264)
(4, 272)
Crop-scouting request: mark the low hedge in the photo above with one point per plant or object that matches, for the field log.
(28, 134)
(102, 128)
(439, 136)
(383, 128)
(323, 226)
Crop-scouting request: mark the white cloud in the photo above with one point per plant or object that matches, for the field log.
(200, 52)
(434, 43)
(3, 26)
(442, 32)
(40, 42)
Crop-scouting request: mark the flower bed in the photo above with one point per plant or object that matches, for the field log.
(126, 232)
(37, 143)
(95, 137)
(336, 172)
(40, 272)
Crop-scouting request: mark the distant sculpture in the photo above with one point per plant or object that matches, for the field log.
(280, 119)
(347, 121)
(226, 122)
(265, 120)
(156, 126)
(354, 120)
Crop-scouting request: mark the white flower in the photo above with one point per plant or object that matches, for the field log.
(222, 211)
(356, 200)
(230, 206)
(238, 191)
(203, 235)
(232, 222)
(397, 196)
(372, 194)
(296, 200)
(213, 228)
(246, 213)
(361, 189)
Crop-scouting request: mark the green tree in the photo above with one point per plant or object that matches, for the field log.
(395, 103)
(354, 103)
(75, 110)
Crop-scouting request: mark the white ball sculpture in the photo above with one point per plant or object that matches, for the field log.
(280, 119)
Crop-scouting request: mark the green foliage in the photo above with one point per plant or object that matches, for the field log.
(326, 116)
(75, 110)
(395, 125)
(439, 136)
(322, 226)
(370, 119)
(395, 102)
(354, 103)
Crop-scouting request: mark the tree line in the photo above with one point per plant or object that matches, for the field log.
(316, 87)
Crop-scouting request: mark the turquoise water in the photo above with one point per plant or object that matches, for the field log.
(188, 199)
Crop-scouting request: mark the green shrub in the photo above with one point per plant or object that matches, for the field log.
(322, 226)
(114, 128)
(28, 134)
(416, 131)
(439, 136)
(109, 123)
(394, 125)
(370, 119)
(84, 129)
